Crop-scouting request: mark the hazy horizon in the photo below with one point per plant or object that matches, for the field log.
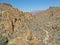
(32, 5)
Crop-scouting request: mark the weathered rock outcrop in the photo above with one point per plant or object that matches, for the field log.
(27, 39)
(13, 23)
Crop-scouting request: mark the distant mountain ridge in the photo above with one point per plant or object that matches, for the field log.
(53, 8)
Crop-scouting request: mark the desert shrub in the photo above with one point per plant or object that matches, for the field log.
(3, 40)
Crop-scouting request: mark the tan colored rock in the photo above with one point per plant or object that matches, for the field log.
(24, 41)
(15, 23)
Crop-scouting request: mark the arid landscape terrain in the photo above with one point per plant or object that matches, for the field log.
(29, 28)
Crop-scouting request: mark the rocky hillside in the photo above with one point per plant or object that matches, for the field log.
(49, 20)
(23, 28)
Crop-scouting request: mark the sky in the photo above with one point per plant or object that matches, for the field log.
(32, 5)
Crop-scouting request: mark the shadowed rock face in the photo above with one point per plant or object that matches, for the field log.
(16, 26)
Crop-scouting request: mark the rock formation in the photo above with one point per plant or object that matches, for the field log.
(24, 28)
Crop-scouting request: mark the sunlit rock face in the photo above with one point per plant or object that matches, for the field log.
(24, 28)
(13, 20)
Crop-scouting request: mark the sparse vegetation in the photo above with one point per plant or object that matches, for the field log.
(24, 28)
(3, 40)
